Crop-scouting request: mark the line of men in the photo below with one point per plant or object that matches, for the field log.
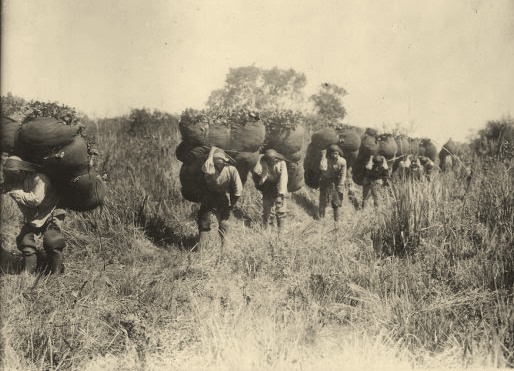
(38, 200)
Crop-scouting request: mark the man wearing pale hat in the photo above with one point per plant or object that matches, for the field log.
(37, 199)
(271, 177)
(224, 187)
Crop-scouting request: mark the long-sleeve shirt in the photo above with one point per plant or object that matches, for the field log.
(226, 181)
(334, 170)
(276, 174)
(36, 200)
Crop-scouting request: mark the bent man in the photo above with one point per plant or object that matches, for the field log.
(377, 172)
(272, 178)
(37, 199)
(224, 187)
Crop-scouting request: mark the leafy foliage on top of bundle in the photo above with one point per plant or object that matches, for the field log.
(218, 116)
(281, 120)
(62, 112)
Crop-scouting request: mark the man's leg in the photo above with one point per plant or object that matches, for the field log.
(365, 193)
(204, 225)
(337, 201)
(323, 200)
(281, 211)
(53, 241)
(267, 204)
(26, 243)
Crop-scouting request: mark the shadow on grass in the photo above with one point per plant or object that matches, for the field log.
(306, 203)
(166, 236)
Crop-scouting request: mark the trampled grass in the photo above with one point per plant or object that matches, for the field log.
(134, 296)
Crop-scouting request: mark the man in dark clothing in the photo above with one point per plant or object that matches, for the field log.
(377, 172)
(37, 199)
(271, 180)
(224, 187)
(332, 180)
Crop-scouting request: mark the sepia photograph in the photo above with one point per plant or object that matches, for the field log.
(256, 185)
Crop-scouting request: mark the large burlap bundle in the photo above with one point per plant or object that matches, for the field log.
(47, 132)
(288, 142)
(10, 131)
(387, 146)
(448, 149)
(427, 148)
(69, 160)
(192, 181)
(311, 164)
(85, 192)
(295, 176)
(369, 144)
(402, 145)
(359, 170)
(323, 138)
(237, 131)
(187, 153)
(349, 139)
(414, 146)
(245, 162)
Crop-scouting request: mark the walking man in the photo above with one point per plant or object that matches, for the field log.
(270, 175)
(332, 182)
(224, 187)
(37, 199)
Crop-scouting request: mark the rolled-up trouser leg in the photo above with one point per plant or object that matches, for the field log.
(26, 243)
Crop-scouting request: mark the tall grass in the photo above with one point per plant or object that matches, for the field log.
(318, 297)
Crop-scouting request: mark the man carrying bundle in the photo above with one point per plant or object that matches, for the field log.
(377, 172)
(37, 199)
(332, 180)
(271, 179)
(224, 188)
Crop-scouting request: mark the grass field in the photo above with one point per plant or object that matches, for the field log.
(319, 296)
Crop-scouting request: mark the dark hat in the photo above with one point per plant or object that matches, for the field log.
(378, 159)
(14, 163)
(272, 154)
(334, 148)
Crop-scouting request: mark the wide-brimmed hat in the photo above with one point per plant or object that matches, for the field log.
(272, 154)
(15, 163)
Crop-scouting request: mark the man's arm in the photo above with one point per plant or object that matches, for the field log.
(282, 183)
(236, 186)
(342, 175)
(34, 197)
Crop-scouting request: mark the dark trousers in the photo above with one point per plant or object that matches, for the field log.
(53, 242)
(328, 193)
(217, 204)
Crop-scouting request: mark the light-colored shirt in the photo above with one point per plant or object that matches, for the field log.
(225, 181)
(276, 174)
(334, 170)
(36, 200)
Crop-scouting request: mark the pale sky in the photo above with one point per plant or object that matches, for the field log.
(444, 66)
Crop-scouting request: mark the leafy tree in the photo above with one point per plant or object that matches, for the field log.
(496, 139)
(255, 88)
(145, 122)
(328, 102)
